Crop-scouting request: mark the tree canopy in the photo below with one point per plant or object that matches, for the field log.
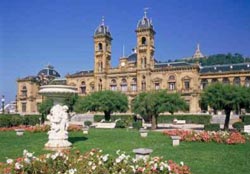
(220, 59)
(103, 101)
(44, 108)
(226, 97)
(149, 105)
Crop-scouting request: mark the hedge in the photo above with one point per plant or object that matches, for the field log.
(196, 119)
(10, 120)
(98, 118)
(245, 119)
(212, 127)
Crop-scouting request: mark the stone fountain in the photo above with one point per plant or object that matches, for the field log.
(58, 117)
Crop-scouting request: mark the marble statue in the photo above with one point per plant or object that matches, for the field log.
(59, 120)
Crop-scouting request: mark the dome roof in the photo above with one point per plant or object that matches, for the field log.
(102, 30)
(144, 23)
(48, 71)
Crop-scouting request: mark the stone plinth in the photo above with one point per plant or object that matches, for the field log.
(142, 153)
(143, 133)
(176, 140)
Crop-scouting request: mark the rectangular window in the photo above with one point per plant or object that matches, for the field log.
(24, 107)
(124, 88)
(187, 85)
(157, 86)
(133, 87)
(171, 86)
(113, 87)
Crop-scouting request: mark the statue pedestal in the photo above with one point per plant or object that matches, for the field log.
(57, 145)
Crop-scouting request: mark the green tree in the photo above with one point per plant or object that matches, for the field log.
(150, 105)
(71, 101)
(44, 108)
(103, 101)
(226, 97)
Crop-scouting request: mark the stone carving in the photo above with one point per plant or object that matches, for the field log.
(58, 134)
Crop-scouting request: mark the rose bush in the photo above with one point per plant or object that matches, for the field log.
(208, 136)
(92, 162)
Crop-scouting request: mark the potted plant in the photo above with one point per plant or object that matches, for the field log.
(19, 132)
(143, 132)
(86, 126)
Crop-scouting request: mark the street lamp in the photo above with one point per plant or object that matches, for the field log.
(3, 100)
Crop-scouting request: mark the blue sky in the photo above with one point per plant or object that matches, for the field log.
(34, 33)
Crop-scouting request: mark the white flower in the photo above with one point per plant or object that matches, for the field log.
(90, 163)
(28, 154)
(27, 160)
(162, 168)
(182, 163)
(169, 168)
(53, 156)
(25, 152)
(93, 167)
(117, 160)
(18, 166)
(72, 171)
(9, 161)
(105, 157)
(91, 153)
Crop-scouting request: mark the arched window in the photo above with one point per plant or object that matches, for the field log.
(113, 85)
(247, 81)
(236, 81)
(100, 47)
(83, 87)
(171, 83)
(225, 80)
(204, 83)
(143, 41)
(124, 85)
(134, 84)
(24, 91)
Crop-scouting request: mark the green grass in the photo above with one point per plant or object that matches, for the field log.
(207, 158)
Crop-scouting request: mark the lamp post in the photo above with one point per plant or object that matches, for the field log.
(3, 100)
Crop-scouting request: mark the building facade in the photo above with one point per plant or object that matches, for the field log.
(140, 72)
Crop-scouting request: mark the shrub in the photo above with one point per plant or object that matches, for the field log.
(245, 119)
(121, 124)
(10, 120)
(196, 119)
(137, 124)
(239, 126)
(32, 120)
(87, 123)
(212, 127)
(92, 162)
(98, 118)
(208, 136)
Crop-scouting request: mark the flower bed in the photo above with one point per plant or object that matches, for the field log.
(208, 136)
(91, 162)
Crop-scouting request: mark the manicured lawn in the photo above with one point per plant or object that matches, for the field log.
(201, 157)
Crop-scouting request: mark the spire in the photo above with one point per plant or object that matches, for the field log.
(102, 21)
(145, 12)
(198, 53)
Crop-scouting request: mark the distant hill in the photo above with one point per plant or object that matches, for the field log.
(219, 59)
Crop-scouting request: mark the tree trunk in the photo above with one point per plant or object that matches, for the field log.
(154, 122)
(227, 119)
(107, 115)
